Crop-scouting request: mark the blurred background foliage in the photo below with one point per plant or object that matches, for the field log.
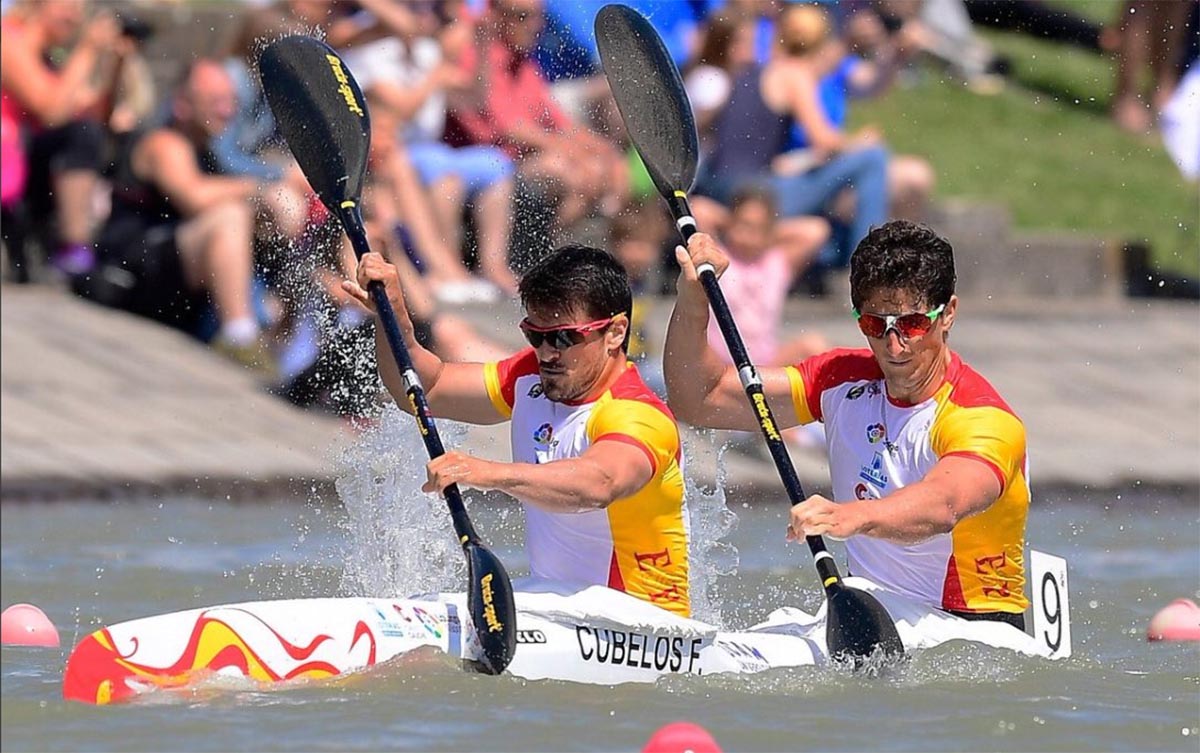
(1045, 146)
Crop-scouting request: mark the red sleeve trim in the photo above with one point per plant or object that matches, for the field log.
(828, 370)
(511, 369)
(626, 439)
(995, 468)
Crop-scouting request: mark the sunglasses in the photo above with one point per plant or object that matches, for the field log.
(907, 326)
(561, 338)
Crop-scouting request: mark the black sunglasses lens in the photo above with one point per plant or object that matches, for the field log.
(559, 339)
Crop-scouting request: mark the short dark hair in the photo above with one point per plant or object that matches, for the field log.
(903, 255)
(577, 277)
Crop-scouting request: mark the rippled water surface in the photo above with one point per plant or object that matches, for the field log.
(91, 563)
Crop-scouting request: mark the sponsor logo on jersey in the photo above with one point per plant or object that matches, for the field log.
(536, 390)
(856, 392)
(873, 473)
(862, 491)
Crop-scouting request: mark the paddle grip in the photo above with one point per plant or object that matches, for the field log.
(351, 219)
(752, 384)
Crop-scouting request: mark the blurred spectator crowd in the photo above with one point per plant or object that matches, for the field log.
(494, 138)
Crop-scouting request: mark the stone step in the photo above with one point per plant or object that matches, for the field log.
(993, 260)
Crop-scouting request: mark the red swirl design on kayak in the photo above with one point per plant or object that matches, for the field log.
(97, 670)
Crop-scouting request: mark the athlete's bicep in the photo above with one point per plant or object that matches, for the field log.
(625, 464)
(461, 394)
(727, 407)
(964, 484)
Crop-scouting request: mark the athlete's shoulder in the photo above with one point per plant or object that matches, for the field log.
(500, 378)
(630, 386)
(631, 412)
(838, 366)
(969, 389)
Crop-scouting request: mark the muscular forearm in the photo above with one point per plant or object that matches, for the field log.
(904, 517)
(691, 367)
(427, 365)
(563, 486)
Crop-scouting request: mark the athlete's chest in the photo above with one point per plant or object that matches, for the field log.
(875, 446)
(543, 430)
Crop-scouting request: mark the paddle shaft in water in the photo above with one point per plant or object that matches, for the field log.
(323, 116)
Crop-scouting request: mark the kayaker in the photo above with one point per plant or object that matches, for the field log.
(596, 454)
(927, 461)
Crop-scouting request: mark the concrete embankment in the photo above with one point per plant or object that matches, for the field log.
(98, 403)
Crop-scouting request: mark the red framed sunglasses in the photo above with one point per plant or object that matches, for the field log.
(561, 338)
(907, 326)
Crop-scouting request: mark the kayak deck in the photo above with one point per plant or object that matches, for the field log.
(596, 636)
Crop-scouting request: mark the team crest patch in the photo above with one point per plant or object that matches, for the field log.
(876, 432)
(543, 434)
(536, 390)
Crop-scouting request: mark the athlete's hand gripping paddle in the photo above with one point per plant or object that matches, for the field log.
(650, 95)
(323, 117)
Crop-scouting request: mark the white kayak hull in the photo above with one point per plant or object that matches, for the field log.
(596, 636)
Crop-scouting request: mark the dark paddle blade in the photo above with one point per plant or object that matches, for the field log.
(857, 625)
(321, 113)
(492, 608)
(650, 95)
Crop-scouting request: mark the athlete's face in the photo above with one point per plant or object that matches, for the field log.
(913, 367)
(571, 373)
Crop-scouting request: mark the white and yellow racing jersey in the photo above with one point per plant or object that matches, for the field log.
(638, 544)
(877, 445)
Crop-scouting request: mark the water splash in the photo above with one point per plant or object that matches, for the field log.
(711, 558)
(400, 541)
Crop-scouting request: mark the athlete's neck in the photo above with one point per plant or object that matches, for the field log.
(923, 385)
(613, 370)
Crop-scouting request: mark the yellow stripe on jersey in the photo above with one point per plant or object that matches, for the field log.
(799, 401)
(491, 378)
(988, 548)
(649, 532)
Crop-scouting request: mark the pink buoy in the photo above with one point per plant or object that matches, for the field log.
(26, 625)
(681, 737)
(1177, 621)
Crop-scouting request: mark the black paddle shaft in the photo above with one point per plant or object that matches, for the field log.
(752, 384)
(653, 103)
(351, 219)
(650, 95)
